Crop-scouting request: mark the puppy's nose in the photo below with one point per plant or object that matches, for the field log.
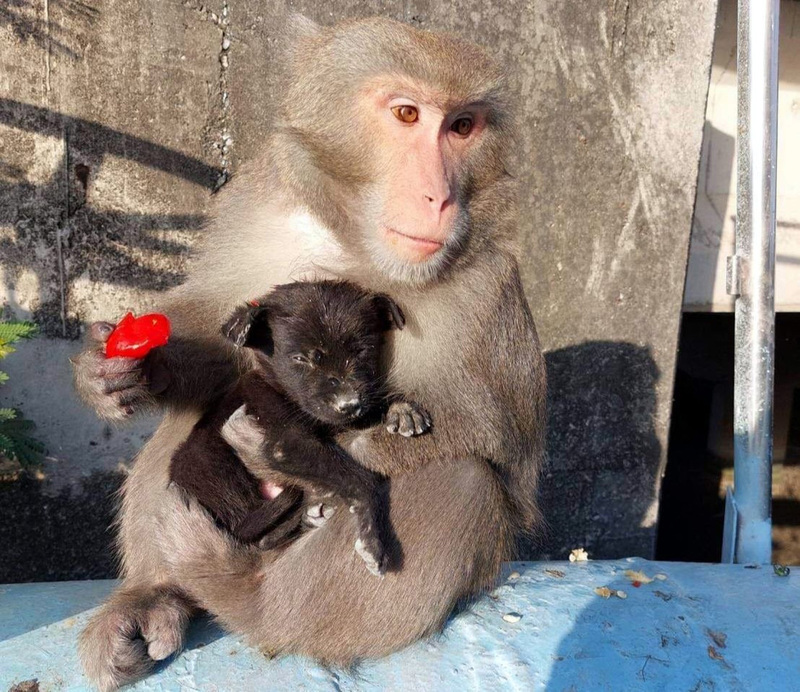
(348, 403)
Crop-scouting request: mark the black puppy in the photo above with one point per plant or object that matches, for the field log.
(317, 347)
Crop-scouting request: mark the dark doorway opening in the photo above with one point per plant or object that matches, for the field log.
(700, 458)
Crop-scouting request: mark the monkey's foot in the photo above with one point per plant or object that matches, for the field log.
(130, 633)
(407, 418)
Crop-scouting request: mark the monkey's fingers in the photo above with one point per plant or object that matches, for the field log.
(127, 379)
(421, 421)
(110, 386)
(131, 399)
(407, 419)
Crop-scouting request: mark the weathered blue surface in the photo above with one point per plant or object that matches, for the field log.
(704, 627)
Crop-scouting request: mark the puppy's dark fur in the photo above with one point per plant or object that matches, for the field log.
(317, 347)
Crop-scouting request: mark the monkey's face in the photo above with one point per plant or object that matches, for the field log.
(401, 135)
(416, 209)
(322, 340)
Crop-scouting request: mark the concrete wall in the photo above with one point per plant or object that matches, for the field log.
(715, 214)
(118, 120)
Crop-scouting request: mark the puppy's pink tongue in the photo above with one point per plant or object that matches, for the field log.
(270, 490)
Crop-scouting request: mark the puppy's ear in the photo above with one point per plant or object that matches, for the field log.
(389, 311)
(249, 327)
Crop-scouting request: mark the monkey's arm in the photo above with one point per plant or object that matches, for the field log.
(486, 403)
(188, 370)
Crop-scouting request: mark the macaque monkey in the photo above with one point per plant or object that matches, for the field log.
(317, 346)
(386, 166)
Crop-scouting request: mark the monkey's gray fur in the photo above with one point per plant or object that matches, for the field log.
(459, 497)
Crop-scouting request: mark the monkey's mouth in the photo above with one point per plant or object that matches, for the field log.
(415, 247)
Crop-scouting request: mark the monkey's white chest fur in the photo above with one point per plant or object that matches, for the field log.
(282, 248)
(318, 254)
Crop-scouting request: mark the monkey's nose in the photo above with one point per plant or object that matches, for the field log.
(349, 404)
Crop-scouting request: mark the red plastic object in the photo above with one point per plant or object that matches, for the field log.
(135, 337)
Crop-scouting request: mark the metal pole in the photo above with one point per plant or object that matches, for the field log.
(752, 279)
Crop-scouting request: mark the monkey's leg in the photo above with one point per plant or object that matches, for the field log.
(145, 619)
(451, 533)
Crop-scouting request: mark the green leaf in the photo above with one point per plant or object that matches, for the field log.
(5, 445)
(17, 425)
(14, 331)
(5, 349)
(3, 377)
(15, 442)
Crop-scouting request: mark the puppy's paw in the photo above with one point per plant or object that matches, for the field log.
(318, 514)
(407, 418)
(372, 553)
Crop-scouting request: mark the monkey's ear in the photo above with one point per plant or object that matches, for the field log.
(249, 327)
(389, 311)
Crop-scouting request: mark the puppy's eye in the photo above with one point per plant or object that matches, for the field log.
(334, 382)
(316, 356)
(300, 358)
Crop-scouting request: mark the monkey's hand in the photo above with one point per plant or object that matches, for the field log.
(116, 388)
(246, 437)
(407, 418)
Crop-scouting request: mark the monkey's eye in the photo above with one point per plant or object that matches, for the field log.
(462, 126)
(408, 114)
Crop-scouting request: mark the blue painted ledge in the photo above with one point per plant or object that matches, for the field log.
(703, 627)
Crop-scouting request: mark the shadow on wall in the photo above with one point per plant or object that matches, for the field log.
(113, 241)
(601, 399)
(23, 18)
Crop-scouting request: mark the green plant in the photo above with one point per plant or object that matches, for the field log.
(15, 441)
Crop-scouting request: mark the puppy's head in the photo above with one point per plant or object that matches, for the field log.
(323, 342)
